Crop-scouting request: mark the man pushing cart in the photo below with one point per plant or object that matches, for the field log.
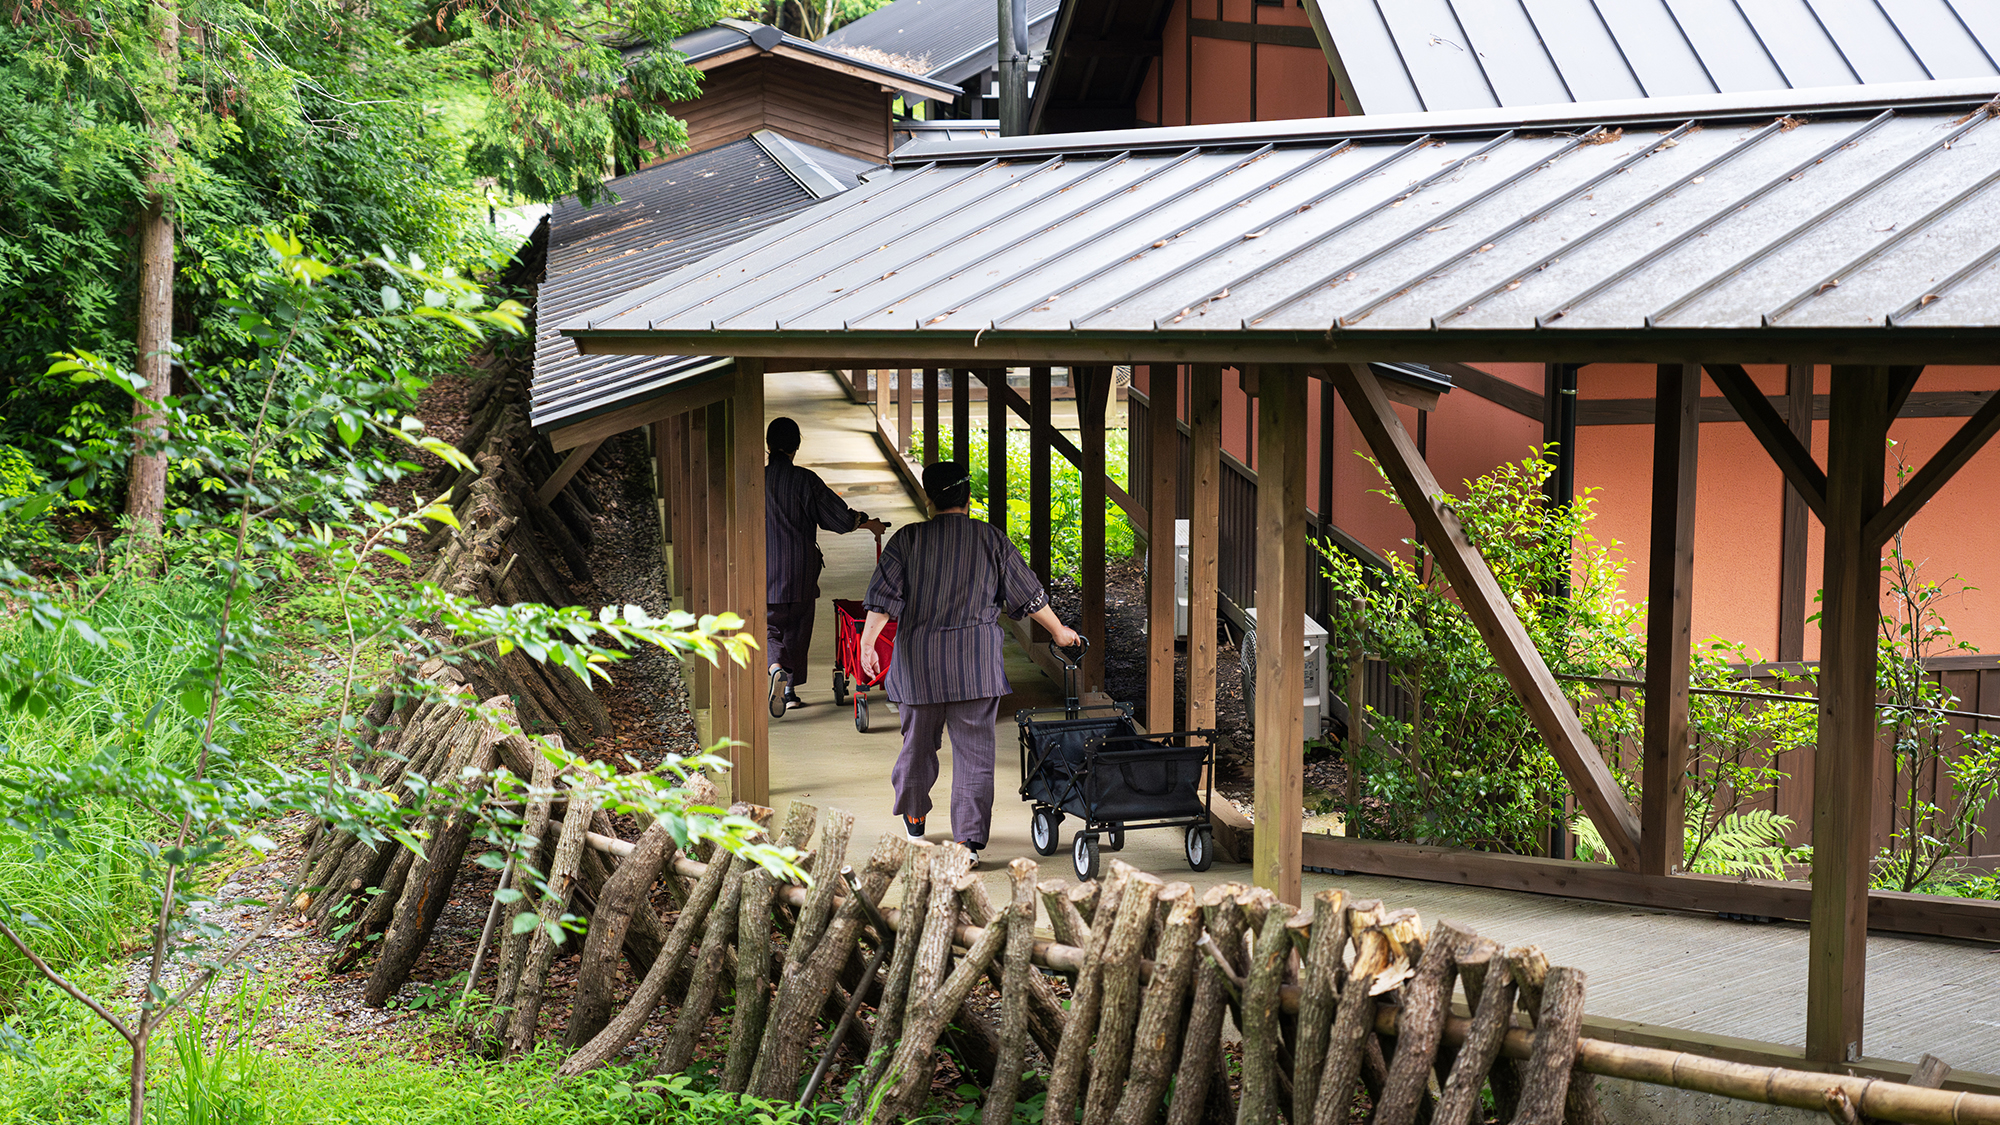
(945, 582)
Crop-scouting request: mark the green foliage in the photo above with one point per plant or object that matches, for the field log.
(171, 765)
(1065, 498)
(1748, 844)
(1946, 774)
(1474, 772)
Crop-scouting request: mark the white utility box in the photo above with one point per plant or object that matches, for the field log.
(1318, 700)
(1181, 539)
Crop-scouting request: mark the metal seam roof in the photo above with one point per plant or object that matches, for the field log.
(957, 38)
(1826, 214)
(1403, 56)
(664, 217)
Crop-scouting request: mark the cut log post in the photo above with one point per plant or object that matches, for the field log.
(804, 990)
(1259, 1103)
(1006, 1088)
(1491, 989)
(1073, 1053)
(632, 1018)
(1045, 1012)
(514, 945)
(1354, 1019)
(626, 893)
(1421, 1025)
(1064, 919)
(916, 884)
(523, 1027)
(433, 875)
(1201, 1054)
(833, 844)
(1156, 1042)
(678, 1050)
(1118, 1010)
(753, 978)
(910, 1075)
(1545, 1079)
(949, 864)
(1528, 968)
(1319, 995)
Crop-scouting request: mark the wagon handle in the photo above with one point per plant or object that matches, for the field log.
(1070, 703)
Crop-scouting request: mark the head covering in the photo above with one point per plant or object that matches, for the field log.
(948, 484)
(782, 436)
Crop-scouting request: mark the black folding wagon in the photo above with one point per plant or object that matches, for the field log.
(1093, 764)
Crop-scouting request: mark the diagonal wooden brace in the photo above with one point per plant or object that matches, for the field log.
(1791, 455)
(1488, 607)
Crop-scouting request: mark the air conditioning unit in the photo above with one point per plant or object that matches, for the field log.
(1317, 701)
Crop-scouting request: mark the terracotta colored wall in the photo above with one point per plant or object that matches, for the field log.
(1234, 80)
(1739, 498)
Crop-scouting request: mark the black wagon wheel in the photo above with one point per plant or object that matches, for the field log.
(1084, 854)
(1114, 839)
(1200, 844)
(839, 688)
(1046, 831)
(861, 711)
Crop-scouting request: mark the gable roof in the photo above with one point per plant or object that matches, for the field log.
(957, 38)
(730, 40)
(665, 216)
(1408, 56)
(1099, 53)
(1747, 228)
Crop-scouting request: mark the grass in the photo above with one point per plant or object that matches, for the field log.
(89, 894)
(214, 1068)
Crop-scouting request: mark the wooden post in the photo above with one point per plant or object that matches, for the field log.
(1669, 602)
(881, 389)
(932, 433)
(1090, 408)
(746, 511)
(961, 416)
(1792, 542)
(1281, 610)
(904, 403)
(1040, 552)
(715, 595)
(1472, 580)
(996, 447)
(1164, 459)
(1844, 768)
(1204, 538)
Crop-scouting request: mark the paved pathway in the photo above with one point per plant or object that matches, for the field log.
(1675, 970)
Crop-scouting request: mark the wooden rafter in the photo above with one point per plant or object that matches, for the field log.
(566, 470)
(1957, 450)
(1792, 457)
(1488, 607)
(678, 400)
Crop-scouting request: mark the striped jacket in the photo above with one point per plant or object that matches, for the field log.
(946, 582)
(797, 504)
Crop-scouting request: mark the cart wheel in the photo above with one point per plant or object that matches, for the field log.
(861, 711)
(1084, 854)
(1114, 840)
(1046, 831)
(1200, 846)
(839, 689)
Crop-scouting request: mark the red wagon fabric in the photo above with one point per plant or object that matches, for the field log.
(850, 618)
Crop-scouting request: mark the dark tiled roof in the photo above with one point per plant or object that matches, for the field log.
(664, 217)
(957, 38)
(1406, 56)
(1703, 223)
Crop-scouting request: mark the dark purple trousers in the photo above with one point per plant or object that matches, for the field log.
(971, 723)
(788, 636)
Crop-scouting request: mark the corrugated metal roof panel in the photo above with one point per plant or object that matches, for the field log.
(665, 216)
(1406, 56)
(1824, 215)
(957, 38)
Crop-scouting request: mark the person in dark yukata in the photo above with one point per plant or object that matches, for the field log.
(946, 582)
(797, 505)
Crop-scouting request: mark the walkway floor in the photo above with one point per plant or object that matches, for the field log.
(1683, 971)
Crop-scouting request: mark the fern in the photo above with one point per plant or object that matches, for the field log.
(1742, 844)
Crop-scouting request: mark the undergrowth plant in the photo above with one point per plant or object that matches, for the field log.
(176, 756)
(1473, 771)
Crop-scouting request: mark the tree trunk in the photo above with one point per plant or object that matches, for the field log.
(1261, 1038)
(628, 890)
(1159, 1016)
(1202, 1053)
(916, 883)
(1073, 1055)
(1118, 1010)
(1006, 1089)
(1424, 999)
(146, 484)
(1319, 981)
(1492, 993)
(1545, 1077)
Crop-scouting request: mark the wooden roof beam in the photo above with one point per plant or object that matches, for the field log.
(1957, 450)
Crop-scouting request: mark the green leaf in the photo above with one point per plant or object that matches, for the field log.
(526, 921)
